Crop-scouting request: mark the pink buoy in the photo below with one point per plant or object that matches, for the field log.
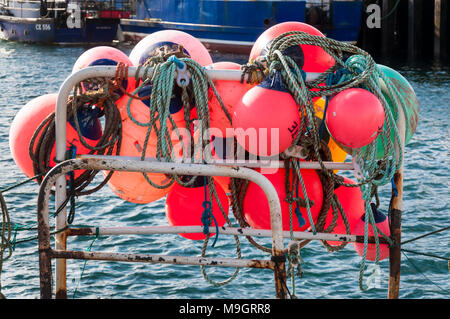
(382, 224)
(266, 120)
(185, 207)
(104, 56)
(170, 40)
(352, 203)
(231, 93)
(30, 117)
(310, 58)
(256, 207)
(354, 118)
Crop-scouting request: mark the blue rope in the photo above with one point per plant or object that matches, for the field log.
(298, 213)
(177, 62)
(207, 215)
(394, 187)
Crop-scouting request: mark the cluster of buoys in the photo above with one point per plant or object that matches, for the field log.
(23, 140)
(264, 119)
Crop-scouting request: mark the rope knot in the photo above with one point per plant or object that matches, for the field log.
(255, 70)
(294, 258)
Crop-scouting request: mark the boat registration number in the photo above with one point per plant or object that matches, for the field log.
(43, 27)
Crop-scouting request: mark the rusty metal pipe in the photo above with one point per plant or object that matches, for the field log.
(59, 170)
(164, 259)
(235, 231)
(60, 145)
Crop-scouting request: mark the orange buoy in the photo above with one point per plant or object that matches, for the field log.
(256, 207)
(352, 203)
(310, 58)
(169, 40)
(104, 55)
(30, 117)
(382, 224)
(185, 206)
(266, 119)
(231, 93)
(133, 186)
(354, 118)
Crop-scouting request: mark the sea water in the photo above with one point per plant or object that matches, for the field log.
(28, 71)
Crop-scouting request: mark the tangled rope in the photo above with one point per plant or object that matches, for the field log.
(193, 91)
(100, 102)
(353, 68)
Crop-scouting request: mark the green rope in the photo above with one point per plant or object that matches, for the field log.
(353, 68)
(97, 230)
(160, 122)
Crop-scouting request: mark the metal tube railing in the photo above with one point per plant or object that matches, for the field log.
(57, 178)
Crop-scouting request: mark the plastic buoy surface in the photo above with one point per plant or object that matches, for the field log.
(409, 97)
(337, 153)
(256, 207)
(185, 207)
(352, 203)
(104, 56)
(133, 186)
(383, 224)
(32, 114)
(354, 118)
(266, 119)
(310, 58)
(231, 93)
(170, 40)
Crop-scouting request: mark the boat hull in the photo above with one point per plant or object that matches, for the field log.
(40, 30)
(234, 26)
(45, 31)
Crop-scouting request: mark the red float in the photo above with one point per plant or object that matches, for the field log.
(231, 93)
(352, 202)
(311, 58)
(106, 56)
(170, 40)
(354, 118)
(382, 224)
(133, 186)
(184, 207)
(266, 119)
(256, 207)
(28, 119)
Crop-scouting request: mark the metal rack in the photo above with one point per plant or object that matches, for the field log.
(55, 179)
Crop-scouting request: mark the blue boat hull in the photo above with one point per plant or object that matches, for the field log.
(235, 25)
(43, 30)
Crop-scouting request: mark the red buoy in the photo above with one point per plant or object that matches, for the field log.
(104, 56)
(310, 58)
(256, 207)
(231, 93)
(266, 119)
(382, 224)
(354, 118)
(170, 40)
(29, 118)
(352, 203)
(185, 207)
(133, 186)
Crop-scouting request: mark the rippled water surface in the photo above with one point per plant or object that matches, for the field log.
(28, 71)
